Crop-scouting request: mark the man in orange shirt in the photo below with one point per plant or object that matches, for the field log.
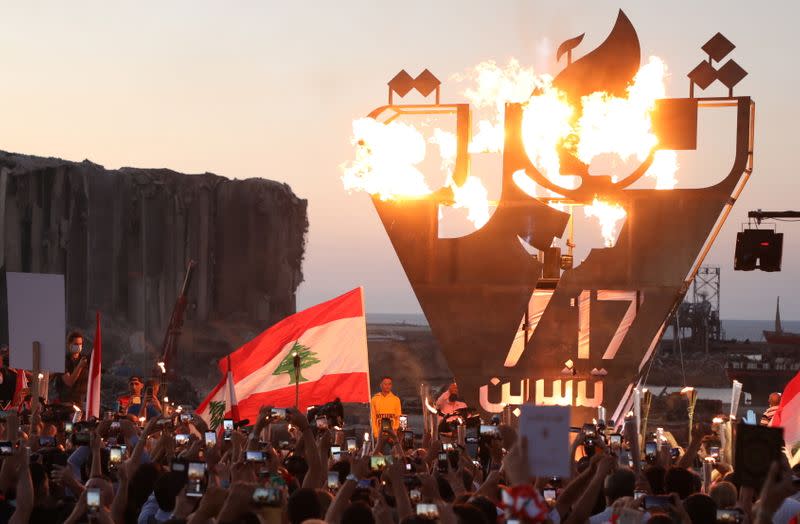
(385, 405)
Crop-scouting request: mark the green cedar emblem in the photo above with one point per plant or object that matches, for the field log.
(216, 411)
(307, 359)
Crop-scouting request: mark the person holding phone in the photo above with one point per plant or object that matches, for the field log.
(138, 396)
(385, 405)
(73, 383)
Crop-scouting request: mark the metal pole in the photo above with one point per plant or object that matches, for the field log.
(296, 363)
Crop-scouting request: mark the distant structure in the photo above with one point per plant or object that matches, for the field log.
(697, 317)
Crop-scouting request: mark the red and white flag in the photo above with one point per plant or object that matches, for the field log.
(788, 414)
(93, 389)
(330, 341)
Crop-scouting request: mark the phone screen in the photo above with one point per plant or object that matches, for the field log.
(650, 449)
(211, 439)
(490, 431)
(378, 462)
(428, 511)
(114, 455)
(93, 498)
(656, 501)
(333, 480)
(351, 444)
(732, 516)
(194, 484)
(254, 456)
(615, 439)
(227, 428)
(278, 414)
(181, 439)
(549, 495)
(441, 463)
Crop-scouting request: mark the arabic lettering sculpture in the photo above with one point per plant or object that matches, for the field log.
(581, 336)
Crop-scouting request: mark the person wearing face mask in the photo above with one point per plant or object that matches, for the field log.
(73, 382)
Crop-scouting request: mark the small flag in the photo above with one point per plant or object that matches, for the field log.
(93, 390)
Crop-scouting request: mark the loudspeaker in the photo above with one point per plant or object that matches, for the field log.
(758, 249)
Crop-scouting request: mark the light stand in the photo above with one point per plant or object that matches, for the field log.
(296, 363)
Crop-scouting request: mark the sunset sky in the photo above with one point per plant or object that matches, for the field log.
(270, 89)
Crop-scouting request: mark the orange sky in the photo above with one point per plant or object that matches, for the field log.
(270, 89)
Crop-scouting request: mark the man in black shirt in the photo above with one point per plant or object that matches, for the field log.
(73, 382)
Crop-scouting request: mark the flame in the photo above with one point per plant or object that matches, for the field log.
(385, 160)
(604, 126)
(608, 215)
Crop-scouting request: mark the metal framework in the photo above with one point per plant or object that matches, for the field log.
(589, 332)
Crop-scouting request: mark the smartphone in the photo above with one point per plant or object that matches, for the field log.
(47, 442)
(195, 473)
(675, 453)
(114, 457)
(93, 499)
(549, 495)
(368, 483)
(657, 502)
(254, 456)
(732, 516)
(615, 439)
(6, 448)
(210, 438)
(637, 494)
(181, 439)
(351, 444)
(447, 446)
(408, 440)
(83, 438)
(386, 425)
(650, 449)
(67, 427)
(267, 496)
(489, 431)
(428, 511)
(589, 430)
(227, 428)
(278, 414)
(414, 495)
(322, 422)
(441, 463)
(713, 451)
(336, 450)
(333, 480)
(377, 462)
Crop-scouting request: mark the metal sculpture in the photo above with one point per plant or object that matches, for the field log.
(586, 333)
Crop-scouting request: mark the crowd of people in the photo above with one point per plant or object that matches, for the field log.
(135, 465)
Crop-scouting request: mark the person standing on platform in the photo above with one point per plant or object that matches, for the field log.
(449, 401)
(385, 405)
(72, 384)
(774, 402)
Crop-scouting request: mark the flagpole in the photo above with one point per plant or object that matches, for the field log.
(296, 363)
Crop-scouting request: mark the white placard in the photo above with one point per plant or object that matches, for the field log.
(547, 429)
(36, 313)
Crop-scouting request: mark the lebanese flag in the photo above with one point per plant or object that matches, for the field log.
(788, 415)
(93, 389)
(331, 342)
